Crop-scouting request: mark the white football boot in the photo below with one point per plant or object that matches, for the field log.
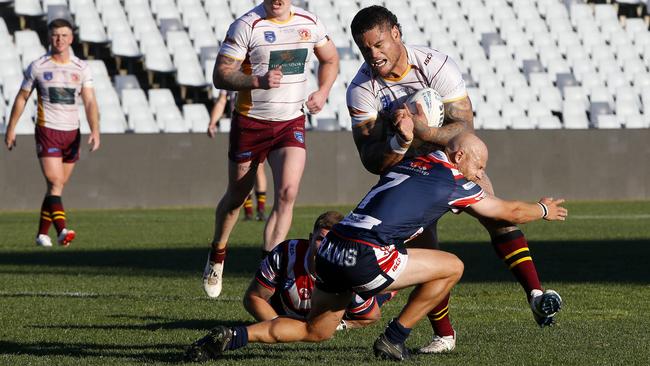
(212, 278)
(66, 237)
(43, 240)
(440, 344)
(545, 306)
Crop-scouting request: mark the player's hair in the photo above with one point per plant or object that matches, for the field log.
(372, 16)
(59, 23)
(327, 219)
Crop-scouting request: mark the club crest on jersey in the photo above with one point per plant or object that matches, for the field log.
(74, 77)
(299, 136)
(47, 75)
(269, 36)
(305, 34)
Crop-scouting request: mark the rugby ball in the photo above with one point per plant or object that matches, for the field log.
(431, 103)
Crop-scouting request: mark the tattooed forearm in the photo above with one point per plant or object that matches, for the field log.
(458, 118)
(227, 75)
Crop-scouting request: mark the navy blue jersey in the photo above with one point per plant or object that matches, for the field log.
(411, 196)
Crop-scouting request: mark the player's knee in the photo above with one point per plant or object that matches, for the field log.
(457, 267)
(317, 334)
(288, 194)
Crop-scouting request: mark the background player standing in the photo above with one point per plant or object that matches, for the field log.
(264, 58)
(59, 78)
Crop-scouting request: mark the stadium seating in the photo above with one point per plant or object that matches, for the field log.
(527, 63)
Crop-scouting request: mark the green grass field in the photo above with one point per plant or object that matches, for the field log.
(128, 291)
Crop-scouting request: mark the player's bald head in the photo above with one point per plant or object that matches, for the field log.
(470, 155)
(469, 143)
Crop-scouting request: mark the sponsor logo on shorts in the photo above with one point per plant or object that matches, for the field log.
(299, 136)
(53, 150)
(243, 155)
(269, 36)
(305, 34)
(39, 148)
(47, 75)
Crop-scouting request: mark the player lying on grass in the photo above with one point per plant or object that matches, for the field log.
(284, 283)
(365, 254)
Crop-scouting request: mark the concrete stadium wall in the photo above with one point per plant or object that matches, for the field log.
(190, 169)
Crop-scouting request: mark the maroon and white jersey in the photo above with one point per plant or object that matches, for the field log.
(286, 271)
(263, 44)
(369, 94)
(58, 87)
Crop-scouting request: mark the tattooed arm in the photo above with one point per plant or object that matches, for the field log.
(458, 118)
(228, 75)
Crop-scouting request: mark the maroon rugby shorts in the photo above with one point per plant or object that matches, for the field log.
(253, 139)
(56, 143)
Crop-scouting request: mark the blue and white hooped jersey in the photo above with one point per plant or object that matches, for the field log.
(411, 196)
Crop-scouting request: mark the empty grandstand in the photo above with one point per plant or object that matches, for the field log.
(528, 64)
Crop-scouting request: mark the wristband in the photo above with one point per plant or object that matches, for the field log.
(544, 209)
(396, 143)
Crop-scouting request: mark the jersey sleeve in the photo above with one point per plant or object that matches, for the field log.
(29, 78)
(268, 273)
(361, 104)
(87, 77)
(448, 82)
(321, 33)
(235, 45)
(465, 194)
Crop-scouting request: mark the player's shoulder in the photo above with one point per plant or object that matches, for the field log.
(427, 58)
(251, 17)
(304, 14)
(76, 61)
(39, 62)
(362, 80)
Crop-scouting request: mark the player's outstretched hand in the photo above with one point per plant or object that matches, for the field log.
(316, 101)
(10, 139)
(555, 211)
(93, 141)
(271, 79)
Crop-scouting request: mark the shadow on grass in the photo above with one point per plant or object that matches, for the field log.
(571, 261)
(191, 324)
(173, 353)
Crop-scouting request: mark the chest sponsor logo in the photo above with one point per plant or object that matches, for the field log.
(292, 61)
(304, 34)
(299, 136)
(422, 165)
(47, 75)
(269, 36)
(305, 293)
(61, 95)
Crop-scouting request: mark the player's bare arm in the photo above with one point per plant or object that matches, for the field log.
(216, 114)
(519, 212)
(328, 69)
(92, 114)
(458, 118)
(256, 302)
(228, 75)
(19, 106)
(374, 146)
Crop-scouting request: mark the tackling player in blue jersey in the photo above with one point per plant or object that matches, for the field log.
(365, 253)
